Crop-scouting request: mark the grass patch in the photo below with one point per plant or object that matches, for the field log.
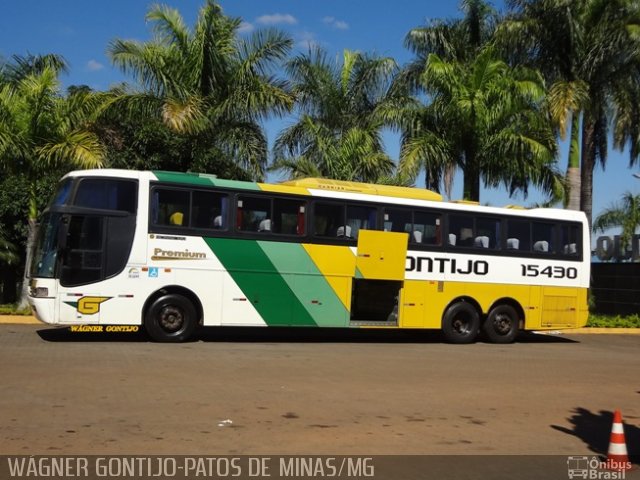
(613, 321)
(12, 309)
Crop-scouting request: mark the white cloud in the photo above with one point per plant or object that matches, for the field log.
(340, 25)
(306, 41)
(246, 27)
(335, 23)
(94, 65)
(277, 19)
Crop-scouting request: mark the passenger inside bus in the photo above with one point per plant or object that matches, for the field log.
(176, 218)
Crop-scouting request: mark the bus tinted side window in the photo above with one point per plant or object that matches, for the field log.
(474, 232)
(543, 237)
(460, 231)
(397, 220)
(254, 214)
(209, 210)
(519, 235)
(570, 240)
(329, 220)
(487, 234)
(170, 207)
(359, 218)
(288, 216)
(422, 227)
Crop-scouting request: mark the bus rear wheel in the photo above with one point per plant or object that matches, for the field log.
(501, 325)
(170, 318)
(461, 323)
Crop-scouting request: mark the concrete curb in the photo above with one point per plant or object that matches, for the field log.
(31, 320)
(18, 320)
(591, 330)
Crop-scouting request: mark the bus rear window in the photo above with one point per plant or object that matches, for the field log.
(107, 194)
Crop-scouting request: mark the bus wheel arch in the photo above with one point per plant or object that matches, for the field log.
(461, 320)
(504, 321)
(172, 314)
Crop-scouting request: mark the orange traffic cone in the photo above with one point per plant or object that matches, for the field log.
(617, 457)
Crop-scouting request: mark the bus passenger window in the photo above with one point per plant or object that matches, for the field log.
(209, 210)
(396, 220)
(487, 233)
(327, 219)
(288, 216)
(359, 218)
(462, 228)
(170, 207)
(427, 226)
(569, 240)
(252, 213)
(543, 237)
(519, 235)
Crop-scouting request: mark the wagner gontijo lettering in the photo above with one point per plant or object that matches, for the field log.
(447, 265)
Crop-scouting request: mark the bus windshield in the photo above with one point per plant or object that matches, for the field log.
(46, 247)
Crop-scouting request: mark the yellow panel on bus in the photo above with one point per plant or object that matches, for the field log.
(382, 255)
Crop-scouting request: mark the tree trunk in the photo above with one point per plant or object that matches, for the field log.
(588, 164)
(31, 238)
(471, 176)
(572, 197)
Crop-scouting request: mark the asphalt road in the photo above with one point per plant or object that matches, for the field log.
(312, 392)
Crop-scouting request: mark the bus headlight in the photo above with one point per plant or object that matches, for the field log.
(39, 292)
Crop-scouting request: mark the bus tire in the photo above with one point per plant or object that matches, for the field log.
(461, 323)
(502, 324)
(170, 318)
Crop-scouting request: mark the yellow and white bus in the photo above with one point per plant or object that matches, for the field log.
(172, 251)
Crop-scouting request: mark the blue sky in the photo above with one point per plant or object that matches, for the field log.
(81, 31)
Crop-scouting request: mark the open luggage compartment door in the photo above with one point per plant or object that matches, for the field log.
(380, 270)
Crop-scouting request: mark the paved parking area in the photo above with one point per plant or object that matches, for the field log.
(287, 391)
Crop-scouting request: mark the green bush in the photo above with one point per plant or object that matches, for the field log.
(12, 309)
(617, 321)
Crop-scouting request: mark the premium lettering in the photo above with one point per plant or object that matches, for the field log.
(160, 254)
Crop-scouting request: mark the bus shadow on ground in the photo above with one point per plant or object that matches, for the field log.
(286, 335)
(594, 429)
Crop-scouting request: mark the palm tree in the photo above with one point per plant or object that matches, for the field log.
(546, 34)
(342, 111)
(207, 82)
(589, 50)
(625, 215)
(459, 40)
(488, 120)
(41, 129)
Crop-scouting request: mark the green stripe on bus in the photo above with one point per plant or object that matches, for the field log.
(307, 282)
(260, 281)
(203, 180)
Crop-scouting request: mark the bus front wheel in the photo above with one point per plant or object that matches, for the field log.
(461, 323)
(170, 318)
(501, 325)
